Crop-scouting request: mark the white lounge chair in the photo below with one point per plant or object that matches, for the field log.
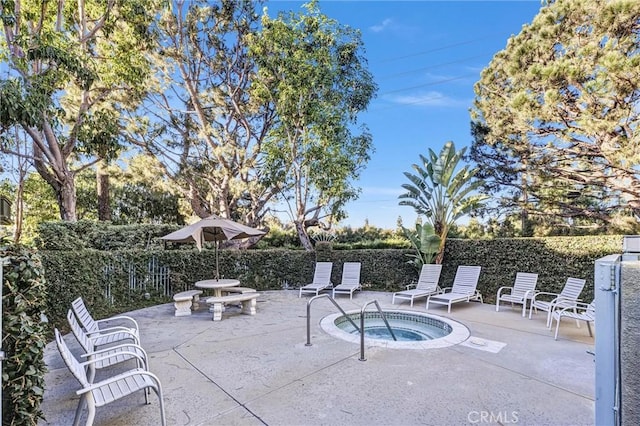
(108, 390)
(108, 356)
(523, 289)
(321, 279)
(350, 280)
(568, 297)
(426, 286)
(463, 289)
(579, 312)
(93, 326)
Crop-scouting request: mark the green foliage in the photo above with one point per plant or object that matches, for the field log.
(425, 243)
(313, 71)
(24, 304)
(105, 278)
(138, 194)
(71, 72)
(323, 251)
(348, 235)
(39, 206)
(278, 237)
(556, 112)
(209, 137)
(441, 191)
(554, 259)
(346, 238)
(86, 234)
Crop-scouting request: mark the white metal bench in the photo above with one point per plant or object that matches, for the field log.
(186, 301)
(248, 303)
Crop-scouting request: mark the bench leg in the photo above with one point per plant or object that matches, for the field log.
(216, 308)
(183, 307)
(211, 308)
(249, 307)
(196, 302)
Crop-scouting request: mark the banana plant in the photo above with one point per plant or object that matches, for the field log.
(425, 242)
(442, 191)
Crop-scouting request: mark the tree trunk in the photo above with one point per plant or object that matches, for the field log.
(67, 199)
(102, 180)
(441, 230)
(62, 181)
(17, 233)
(303, 236)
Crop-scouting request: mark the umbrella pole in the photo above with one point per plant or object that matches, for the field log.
(217, 265)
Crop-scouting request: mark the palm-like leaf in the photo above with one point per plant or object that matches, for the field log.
(425, 243)
(443, 192)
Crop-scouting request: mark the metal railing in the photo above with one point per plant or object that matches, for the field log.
(358, 329)
(141, 278)
(362, 358)
(309, 315)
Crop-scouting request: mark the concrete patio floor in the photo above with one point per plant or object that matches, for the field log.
(257, 370)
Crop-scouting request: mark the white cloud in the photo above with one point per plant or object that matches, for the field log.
(393, 28)
(430, 99)
(381, 27)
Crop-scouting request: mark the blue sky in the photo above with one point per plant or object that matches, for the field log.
(425, 57)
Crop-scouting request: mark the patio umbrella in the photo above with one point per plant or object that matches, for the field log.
(212, 228)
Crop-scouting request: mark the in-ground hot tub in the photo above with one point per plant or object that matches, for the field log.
(413, 330)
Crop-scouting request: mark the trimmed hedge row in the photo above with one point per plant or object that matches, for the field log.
(554, 259)
(89, 234)
(105, 280)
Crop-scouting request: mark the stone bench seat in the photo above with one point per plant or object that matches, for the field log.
(241, 290)
(185, 301)
(248, 303)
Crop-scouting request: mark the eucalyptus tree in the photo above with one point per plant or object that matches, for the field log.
(566, 92)
(199, 119)
(442, 191)
(71, 67)
(313, 71)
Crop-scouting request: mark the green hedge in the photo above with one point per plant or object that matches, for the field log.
(89, 272)
(24, 335)
(88, 234)
(554, 259)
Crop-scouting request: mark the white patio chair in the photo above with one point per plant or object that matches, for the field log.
(568, 297)
(426, 286)
(93, 326)
(108, 390)
(350, 280)
(463, 289)
(523, 289)
(579, 312)
(108, 356)
(107, 336)
(321, 279)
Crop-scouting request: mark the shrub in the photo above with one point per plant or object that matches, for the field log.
(24, 334)
(87, 234)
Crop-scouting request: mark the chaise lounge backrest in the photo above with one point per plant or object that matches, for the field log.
(429, 277)
(466, 279)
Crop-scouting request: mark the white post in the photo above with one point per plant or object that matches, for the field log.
(607, 378)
